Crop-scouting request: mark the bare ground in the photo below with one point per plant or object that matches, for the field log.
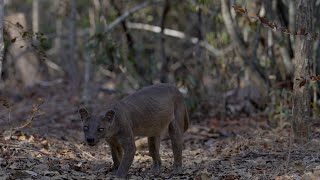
(51, 146)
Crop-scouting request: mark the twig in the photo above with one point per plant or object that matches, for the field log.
(49, 83)
(24, 148)
(35, 112)
(28, 122)
(85, 153)
(181, 35)
(112, 25)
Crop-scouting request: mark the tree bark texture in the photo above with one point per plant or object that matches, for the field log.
(200, 56)
(94, 14)
(303, 67)
(72, 67)
(1, 37)
(164, 66)
(35, 15)
(25, 61)
(60, 9)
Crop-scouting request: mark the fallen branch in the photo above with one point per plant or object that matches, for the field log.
(181, 35)
(49, 83)
(125, 15)
(53, 65)
(85, 153)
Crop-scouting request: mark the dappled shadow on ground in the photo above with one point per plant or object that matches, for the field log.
(51, 147)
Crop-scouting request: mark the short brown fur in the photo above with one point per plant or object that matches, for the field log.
(148, 112)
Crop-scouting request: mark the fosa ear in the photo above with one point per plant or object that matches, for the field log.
(84, 114)
(109, 116)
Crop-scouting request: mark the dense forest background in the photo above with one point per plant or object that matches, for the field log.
(248, 71)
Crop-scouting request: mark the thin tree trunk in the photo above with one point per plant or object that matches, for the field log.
(35, 29)
(130, 43)
(72, 65)
(97, 10)
(303, 67)
(35, 15)
(1, 37)
(164, 66)
(256, 72)
(271, 43)
(292, 15)
(200, 91)
(86, 94)
(285, 47)
(60, 9)
(92, 21)
(129, 38)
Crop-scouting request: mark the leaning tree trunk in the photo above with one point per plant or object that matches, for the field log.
(303, 66)
(1, 36)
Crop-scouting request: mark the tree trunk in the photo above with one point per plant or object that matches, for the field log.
(86, 93)
(35, 15)
(303, 67)
(138, 65)
(164, 66)
(72, 67)
(257, 75)
(200, 57)
(1, 37)
(35, 29)
(25, 61)
(60, 12)
(292, 14)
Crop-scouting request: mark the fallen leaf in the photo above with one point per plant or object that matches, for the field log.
(22, 138)
(32, 173)
(205, 175)
(20, 174)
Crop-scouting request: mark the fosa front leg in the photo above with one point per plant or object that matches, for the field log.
(129, 150)
(116, 152)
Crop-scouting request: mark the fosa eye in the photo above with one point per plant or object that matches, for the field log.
(85, 128)
(100, 130)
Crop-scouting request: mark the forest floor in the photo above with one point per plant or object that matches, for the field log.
(51, 146)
